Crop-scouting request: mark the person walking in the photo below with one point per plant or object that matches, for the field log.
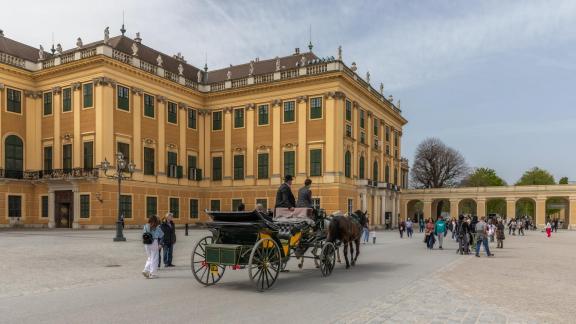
(454, 229)
(152, 249)
(421, 224)
(520, 226)
(556, 221)
(462, 235)
(481, 237)
(440, 230)
(500, 234)
(510, 226)
(401, 228)
(548, 229)
(491, 230)
(169, 239)
(366, 231)
(409, 229)
(429, 235)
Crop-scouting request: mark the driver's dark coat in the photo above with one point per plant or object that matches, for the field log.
(284, 197)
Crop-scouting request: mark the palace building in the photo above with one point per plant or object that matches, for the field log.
(199, 139)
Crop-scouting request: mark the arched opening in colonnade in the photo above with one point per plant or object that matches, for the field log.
(415, 210)
(467, 207)
(525, 208)
(441, 207)
(558, 209)
(496, 207)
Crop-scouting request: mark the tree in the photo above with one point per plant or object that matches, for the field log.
(536, 176)
(483, 177)
(437, 165)
(563, 180)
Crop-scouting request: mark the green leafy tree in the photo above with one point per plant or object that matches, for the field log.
(563, 180)
(536, 176)
(483, 177)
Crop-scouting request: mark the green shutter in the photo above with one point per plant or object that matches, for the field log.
(123, 96)
(217, 120)
(175, 207)
(316, 162)
(238, 118)
(192, 118)
(87, 95)
(263, 115)
(148, 161)
(316, 108)
(263, 166)
(47, 103)
(84, 206)
(238, 167)
(88, 155)
(217, 168)
(289, 163)
(151, 206)
(193, 208)
(289, 111)
(67, 100)
(347, 164)
(149, 106)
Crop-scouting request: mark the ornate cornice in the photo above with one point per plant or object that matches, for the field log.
(250, 106)
(148, 141)
(137, 91)
(334, 95)
(203, 112)
(160, 98)
(104, 81)
(227, 110)
(355, 104)
(182, 105)
(57, 90)
(33, 94)
(275, 102)
(302, 99)
(76, 86)
(290, 145)
(172, 146)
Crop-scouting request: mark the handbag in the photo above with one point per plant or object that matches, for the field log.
(147, 237)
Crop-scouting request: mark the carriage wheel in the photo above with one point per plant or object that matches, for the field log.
(264, 264)
(327, 259)
(201, 269)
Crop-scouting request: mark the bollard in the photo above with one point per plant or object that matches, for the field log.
(374, 240)
(186, 230)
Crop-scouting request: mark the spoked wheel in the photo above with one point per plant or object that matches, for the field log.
(205, 273)
(264, 264)
(327, 259)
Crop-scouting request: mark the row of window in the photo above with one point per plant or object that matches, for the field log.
(361, 169)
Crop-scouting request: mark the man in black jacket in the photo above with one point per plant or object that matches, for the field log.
(284, 196)
(305, 195)
(169, 239)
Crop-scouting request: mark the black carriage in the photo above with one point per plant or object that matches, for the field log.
(256, 241)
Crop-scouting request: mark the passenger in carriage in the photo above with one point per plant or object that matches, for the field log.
(284, 196)
(305, 195)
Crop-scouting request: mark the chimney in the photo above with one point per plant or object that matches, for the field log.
(297, 51)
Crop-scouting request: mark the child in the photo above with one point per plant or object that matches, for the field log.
(548, 229)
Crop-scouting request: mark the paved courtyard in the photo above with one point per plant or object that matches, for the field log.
(82, 276)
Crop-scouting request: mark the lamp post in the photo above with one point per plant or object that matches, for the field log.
(121, 164)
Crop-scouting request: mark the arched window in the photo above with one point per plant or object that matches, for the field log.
(375, 171)
(387, 174)
(14, 155)
(361, 168)
(347, 162)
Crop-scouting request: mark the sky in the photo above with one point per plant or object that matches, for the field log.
(493, 79)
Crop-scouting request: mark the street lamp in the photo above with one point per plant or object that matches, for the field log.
(119, 175)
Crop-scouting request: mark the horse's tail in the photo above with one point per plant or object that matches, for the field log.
(333, 230)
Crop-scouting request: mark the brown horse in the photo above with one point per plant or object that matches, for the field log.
(348, 230)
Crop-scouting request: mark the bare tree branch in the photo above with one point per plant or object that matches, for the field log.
(437, 165)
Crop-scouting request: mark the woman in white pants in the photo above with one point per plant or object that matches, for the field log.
(152, 250)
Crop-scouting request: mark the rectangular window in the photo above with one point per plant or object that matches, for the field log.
(263, 202)
(239, 118)
(362, 119)
(124, 148)
(316, 108)
(47, 158)
(350, 205)
(263, 116)
(84, 206)
(149, 106)
(348, 110)
(88, 155)
(235, 204)
(14, 206)
(67, 156)
(149, 161)
(217, 121)
(175, 206)
(289, 163)
(316, 203)
(126, 206)
(14, 101)
(193, 208)
(263, 166)
(172, 113)
(172, 158)
(396, 139)
(123, 96)
(387, 134)
(217, 168)
(151, 206)
(44, 206)
(215, 205)
(192, 162)
(192, 118)
(66, 100)
(289, 111)
(238, 167)
(316, 162)
(87, 95)
(47, 104)
(376, 123)
(348, 130)
(362, 137)
(387, 149)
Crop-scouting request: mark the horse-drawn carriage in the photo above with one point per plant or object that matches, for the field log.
(261, 243)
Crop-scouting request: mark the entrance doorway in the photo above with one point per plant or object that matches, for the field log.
(64, 213)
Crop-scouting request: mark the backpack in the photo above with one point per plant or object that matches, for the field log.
(147, 237)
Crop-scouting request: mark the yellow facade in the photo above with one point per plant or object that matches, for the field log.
(321, 105)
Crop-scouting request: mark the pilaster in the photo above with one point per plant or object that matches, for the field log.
(276, 149)
(51, 216)
(32, 106)
(207, 147)
(104, 105)
(480, 207)
(250, 111)
(510, 208)
(227, 179)
(572, 212)
(161, 167)
(383, 198)
(302, 103)
(137, 156)
(201, 139)
(57, 111)
(356, 136)
(182, 146)
(76, 207)
(427, 210)
(454, 208)
(77, 149)
(329, 148)
(540, 211)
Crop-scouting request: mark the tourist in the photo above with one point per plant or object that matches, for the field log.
(491, 230)
(440, 229)
(409, 229)
(366, 231)
(305, 195)
(556, 221)
(421, 224)
(510, 226)
(482, 238)
(429, 235)
(500, 234)
(462, 235)
(548, 229)
(520, 226)
(472, 233)
(284, 196)
(454, 229)
(169, 239)
(152, 250)
(401, 228)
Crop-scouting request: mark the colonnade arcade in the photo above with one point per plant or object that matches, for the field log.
(540, 203)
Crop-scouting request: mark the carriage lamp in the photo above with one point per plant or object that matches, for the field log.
(122, 167)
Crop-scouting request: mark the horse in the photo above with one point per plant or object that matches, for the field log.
(348, 230)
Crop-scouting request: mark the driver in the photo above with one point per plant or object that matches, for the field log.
(284, 196)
